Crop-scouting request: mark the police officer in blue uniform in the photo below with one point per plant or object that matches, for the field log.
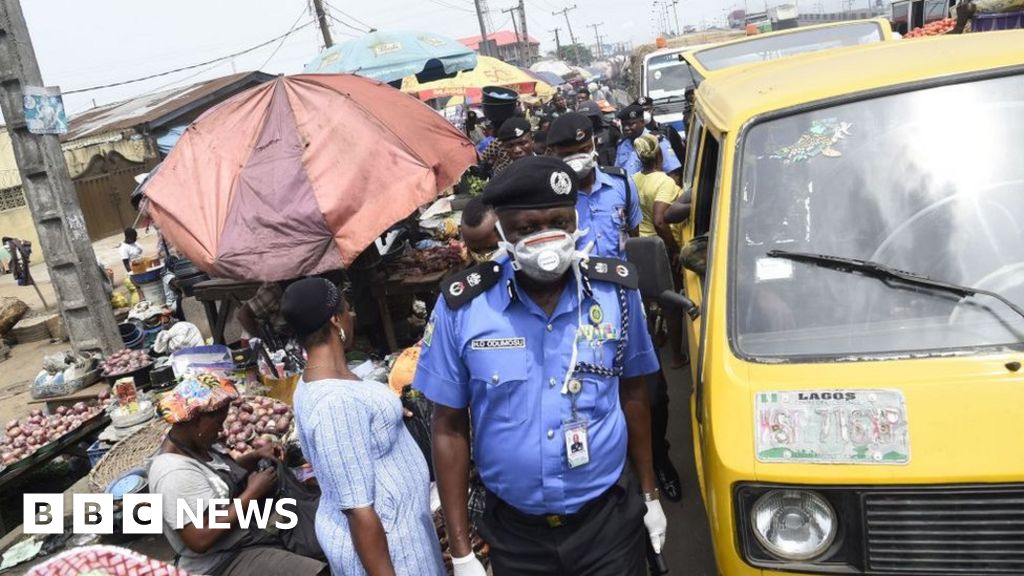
(546, 354)
(608, 204)
(633, 127)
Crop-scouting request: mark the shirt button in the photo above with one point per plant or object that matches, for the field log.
(549, 327)
(552, 382)
(494, 378)
(551, 434)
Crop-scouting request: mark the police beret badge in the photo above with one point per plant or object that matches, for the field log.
(560, 183)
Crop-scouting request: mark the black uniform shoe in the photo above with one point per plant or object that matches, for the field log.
(668, 479)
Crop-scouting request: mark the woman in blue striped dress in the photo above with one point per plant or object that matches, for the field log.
(374, 514)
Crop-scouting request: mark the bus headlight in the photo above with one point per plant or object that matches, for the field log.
(793, 524)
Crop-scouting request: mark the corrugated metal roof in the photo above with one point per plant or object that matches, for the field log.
(158, 109)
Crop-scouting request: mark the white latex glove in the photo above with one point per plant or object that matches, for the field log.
(468, 566)
(656, 524)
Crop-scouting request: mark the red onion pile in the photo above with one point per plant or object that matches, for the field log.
(254, 422)
(125, 362)
(22, 438)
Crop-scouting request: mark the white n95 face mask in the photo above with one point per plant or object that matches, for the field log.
(544, 256)
(582, 163)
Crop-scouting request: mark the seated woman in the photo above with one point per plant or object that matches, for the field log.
(374, 515)
(192, 466)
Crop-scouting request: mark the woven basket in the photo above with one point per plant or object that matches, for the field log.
(129, 453)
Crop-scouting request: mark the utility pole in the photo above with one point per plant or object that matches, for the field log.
(483, 28)
(675, 11)
(572, 37)
(527, 54)
(51, 197)
(325, 28)
(597, 39)
(515, 28)
(558, 42)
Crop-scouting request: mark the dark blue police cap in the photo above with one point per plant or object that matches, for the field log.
(569, 129)
(533, 182)
(631, 112)
(513, 128)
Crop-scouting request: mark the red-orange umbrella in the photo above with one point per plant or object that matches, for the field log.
(299, 175)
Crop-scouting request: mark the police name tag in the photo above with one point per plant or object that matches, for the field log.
(577, 443)
(498, 343)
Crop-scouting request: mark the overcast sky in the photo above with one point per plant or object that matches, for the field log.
(85, 43)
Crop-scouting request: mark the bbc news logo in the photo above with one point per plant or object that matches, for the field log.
(144, 513)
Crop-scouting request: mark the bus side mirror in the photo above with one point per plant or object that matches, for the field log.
(671, 299)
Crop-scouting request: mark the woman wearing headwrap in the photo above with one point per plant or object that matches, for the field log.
(374, 515)
(192, 467)
(658, 191)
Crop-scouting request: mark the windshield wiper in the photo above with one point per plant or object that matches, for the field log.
(886, 273)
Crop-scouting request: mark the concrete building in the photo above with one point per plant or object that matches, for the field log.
(508, 47)
(106, 147)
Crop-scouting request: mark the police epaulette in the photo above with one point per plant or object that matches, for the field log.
(461, 287)
(612, 270)
(614, 171)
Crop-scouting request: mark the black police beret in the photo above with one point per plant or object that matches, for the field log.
(644, 101)
(569, 129)
(533, 182)
(631, 112)
(514, 127)
(589, 108)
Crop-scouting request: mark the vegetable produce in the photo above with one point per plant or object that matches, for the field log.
(254, 422)
(23, 437)
(936, 28)
(124, 362)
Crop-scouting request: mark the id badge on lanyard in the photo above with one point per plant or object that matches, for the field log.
(574, 430)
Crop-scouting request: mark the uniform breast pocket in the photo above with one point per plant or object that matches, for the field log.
(500, 377)
(597, 397)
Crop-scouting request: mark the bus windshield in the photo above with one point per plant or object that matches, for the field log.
(799, 41)
(879, 180)
(667, 76)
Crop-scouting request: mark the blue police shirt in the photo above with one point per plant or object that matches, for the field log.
(505, 359)
(626, 158)
(602, 211)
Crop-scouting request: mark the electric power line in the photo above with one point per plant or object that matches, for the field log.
(350, 17)
(283, 38)
(193, 66)
(347, 25)
(444, 4)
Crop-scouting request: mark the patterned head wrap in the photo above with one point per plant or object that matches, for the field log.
(646, 146)
(197, 394)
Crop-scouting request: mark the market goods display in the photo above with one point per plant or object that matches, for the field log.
(22, 438)
(254, 422)
(936, 28)
(125, 362)
(431, 260)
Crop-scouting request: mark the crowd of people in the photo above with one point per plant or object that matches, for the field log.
(538, 359)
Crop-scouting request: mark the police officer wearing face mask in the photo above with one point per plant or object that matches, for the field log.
(666, 131)
(608, 205)
(633, 127)
(546, 352)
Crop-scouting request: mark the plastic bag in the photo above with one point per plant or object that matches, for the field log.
(178, 337)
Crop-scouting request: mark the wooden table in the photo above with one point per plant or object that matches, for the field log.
(219, 298)
(67, 443)
(84, 395)
(397, 285)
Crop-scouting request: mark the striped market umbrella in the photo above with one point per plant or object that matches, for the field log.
(299, 175)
